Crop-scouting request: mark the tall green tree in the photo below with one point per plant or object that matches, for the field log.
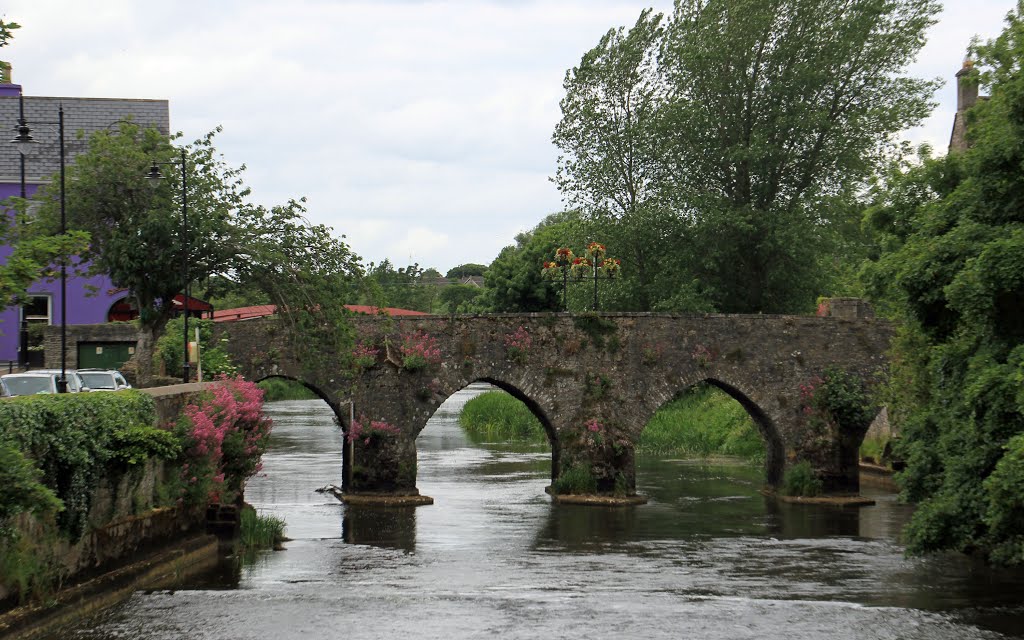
(138, 239)
(466, 270)
(954, 265)
(736, 132)
(135, 227)
(6, 32)
(410, 287)
(612, 164)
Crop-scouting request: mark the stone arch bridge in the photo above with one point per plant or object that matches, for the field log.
(593, 380)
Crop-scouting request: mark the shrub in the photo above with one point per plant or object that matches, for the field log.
(371, 430)
(1004, 514)
(577, 479)
(517, 345)
(138, 443)
(72, 438)
(21, 489)
(800, 480)
(170, 348)
(364, 356)
(225, 436)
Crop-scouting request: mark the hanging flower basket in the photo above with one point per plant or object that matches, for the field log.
(551, 271)
(611, 267)
(563, 256)
(596, 251)
(581, 267)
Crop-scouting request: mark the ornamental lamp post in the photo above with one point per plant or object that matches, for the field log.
(26, 145)
(577, 269)
(154, 176)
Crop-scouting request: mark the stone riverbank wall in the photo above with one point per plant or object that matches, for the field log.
(124, 519)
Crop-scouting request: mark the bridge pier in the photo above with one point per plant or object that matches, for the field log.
(383, 468)
(595, 464)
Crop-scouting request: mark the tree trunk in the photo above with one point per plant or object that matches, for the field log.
(143, 358)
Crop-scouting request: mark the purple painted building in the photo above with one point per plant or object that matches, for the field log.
(89, 300)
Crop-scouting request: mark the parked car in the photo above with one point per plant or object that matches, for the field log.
(33, 382)
(103, 379)
(75, 382)
(3, 389)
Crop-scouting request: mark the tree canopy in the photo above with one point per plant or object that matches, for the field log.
(138, 239)
(731, 136)
(952, 265)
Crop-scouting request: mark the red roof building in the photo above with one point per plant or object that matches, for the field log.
(264, 310)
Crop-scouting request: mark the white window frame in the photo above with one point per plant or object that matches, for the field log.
(39, 319)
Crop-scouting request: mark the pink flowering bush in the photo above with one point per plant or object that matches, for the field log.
(364, 356)
(596, 435)
(419, 349)
(517, 345)
(367, 431)
(225, 433)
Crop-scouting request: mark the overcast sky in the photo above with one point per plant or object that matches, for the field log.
(419, 129)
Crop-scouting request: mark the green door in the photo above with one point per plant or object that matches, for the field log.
(104, 355)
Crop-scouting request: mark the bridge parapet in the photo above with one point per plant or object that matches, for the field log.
(593, 380)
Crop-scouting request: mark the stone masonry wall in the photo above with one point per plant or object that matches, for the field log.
(111, 332)
(613, 369)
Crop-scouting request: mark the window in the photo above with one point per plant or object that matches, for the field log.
(38, 310)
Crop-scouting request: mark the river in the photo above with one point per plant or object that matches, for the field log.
(708, 557)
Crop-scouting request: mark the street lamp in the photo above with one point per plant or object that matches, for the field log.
(26, 145)
(23, 134)
(154, 176)
(577, 269)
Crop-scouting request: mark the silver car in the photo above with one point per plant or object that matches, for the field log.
(32, 382)
(75, 382)
(103, 379)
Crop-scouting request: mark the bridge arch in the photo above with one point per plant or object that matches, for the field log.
(313, 388)
(766, 427)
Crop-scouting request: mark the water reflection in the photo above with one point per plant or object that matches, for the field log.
(387, 527)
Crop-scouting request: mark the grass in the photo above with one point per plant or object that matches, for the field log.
(873, 450)
(258, 532)
(800, 480)
(495, 416)
(278, 389)
(703, 422)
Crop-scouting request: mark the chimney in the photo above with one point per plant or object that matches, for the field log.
(966, 87)
(7, 88)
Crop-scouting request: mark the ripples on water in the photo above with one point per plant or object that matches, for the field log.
(709, 557)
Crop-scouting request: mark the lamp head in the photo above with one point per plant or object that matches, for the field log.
(154, 176)
(26, 144)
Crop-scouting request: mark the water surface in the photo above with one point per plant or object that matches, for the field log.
(708, 557)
